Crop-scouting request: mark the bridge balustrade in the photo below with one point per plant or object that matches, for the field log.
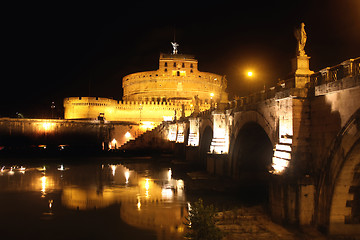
(348, 68)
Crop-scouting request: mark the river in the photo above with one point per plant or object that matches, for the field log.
(96, 200)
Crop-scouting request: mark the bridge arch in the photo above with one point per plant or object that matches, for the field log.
(250, 154)
(338, 196)
(245, 117)
(206, 135)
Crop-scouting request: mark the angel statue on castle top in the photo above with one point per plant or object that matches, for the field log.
(175, 45)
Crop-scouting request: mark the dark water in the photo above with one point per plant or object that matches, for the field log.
(91, 201)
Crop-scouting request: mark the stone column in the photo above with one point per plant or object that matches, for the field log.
(194, 132)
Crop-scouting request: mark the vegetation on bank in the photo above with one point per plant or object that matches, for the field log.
(201, 223)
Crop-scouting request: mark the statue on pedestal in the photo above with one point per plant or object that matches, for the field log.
(300, 36)
(175, 45)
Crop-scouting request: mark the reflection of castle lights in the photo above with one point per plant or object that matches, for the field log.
(113, 144)
(43, 186)
(180, 184)
(147, 187)
(138, 203)
(113, 168)
(127, 175)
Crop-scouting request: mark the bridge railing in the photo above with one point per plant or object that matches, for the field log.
(347, 68)
(286, 87)
(245, 102)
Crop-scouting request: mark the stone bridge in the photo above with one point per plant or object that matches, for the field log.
(301, 139)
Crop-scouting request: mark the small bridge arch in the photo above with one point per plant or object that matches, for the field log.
(251, 146)
(206, 135)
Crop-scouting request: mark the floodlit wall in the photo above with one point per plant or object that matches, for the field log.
(132, 111)
(177, 79)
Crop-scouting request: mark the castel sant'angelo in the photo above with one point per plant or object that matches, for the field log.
(176, 89)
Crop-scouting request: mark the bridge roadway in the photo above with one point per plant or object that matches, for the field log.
(301, 139)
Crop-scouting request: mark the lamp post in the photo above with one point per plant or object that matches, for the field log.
(52, 109)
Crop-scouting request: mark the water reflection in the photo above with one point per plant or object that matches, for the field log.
(148, 199)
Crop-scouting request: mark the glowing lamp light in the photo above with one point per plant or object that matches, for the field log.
(250, 74)
(147, 184)
(211, 95)
(127, 175)
(147, 125)
(128, 135)
(138, 204)
(279, 165)
(166, 193)
(169, 174)
(47, 126)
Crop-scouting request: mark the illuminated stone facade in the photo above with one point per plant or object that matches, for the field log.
(154, 96)
(177, 80)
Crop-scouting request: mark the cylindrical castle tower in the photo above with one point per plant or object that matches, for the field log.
(177, 80)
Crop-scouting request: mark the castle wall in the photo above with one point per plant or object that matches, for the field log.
(131, 111)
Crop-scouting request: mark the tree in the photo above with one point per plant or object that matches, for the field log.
(201, 223)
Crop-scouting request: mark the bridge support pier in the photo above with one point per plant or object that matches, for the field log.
(292, 201)
(192, 154)
(216, 164)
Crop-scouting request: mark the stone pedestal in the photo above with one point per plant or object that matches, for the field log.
(300, 66)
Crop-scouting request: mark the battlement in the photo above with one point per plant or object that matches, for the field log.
(98, 101)
(132, 111)
(164, 56)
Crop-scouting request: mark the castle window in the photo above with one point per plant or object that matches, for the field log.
(191, 70)
(174, 64)
(165, 69)
(178, 73)
(165, 64)
(191, 65)
(183, 65)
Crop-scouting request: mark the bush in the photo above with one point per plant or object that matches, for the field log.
(201, 223)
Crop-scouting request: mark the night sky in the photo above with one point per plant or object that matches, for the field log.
(54, 49)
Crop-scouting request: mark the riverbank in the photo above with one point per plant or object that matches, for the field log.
(242, 210)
